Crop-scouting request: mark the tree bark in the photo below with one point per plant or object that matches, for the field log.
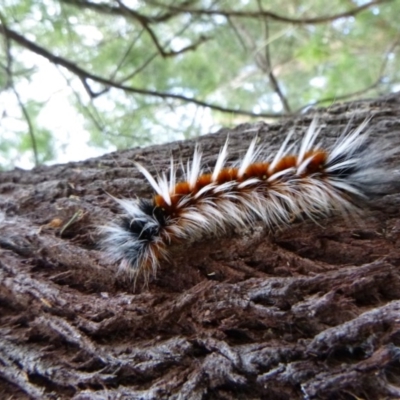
(311, 311)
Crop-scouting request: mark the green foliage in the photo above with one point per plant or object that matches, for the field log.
(228, 66)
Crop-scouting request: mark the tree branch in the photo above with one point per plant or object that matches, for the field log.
(85, 75)
(269, 14)
(144, 21)
(146, 62)
(124, 11)
(146, 26)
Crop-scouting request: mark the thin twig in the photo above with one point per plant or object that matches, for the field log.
(270, 14)
(360, 92)
(268, 65)
(11, 84)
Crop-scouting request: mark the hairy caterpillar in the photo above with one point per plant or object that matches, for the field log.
(300, 179)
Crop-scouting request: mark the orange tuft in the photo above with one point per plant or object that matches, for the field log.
(258, 170)
(203, 181)
(181, 189)
(159, 201)
(285, 163)
(318, 161)
(227, 175)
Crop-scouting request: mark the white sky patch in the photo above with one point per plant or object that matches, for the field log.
(178, 44)
(268, 102)
(48, 86)
(133, 4)
(90, 35)
(318, 82)
(181, 120)
(395, 88)
(10, 120)
(57, 115)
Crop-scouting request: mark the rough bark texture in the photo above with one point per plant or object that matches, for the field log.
(309, 312)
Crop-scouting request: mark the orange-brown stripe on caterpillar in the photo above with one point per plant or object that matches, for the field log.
(257, 170)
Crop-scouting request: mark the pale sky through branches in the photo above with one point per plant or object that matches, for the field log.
(80, 78)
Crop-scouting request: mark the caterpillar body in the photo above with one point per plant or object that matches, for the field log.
(300, 179)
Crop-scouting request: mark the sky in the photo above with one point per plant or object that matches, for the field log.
(57, 115)
(72, 141)
(49, 86)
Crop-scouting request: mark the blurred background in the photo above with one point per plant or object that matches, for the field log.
(79, 78)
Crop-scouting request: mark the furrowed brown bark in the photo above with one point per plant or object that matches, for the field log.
(311, 311)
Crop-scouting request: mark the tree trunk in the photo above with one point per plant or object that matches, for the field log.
(308, 312)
